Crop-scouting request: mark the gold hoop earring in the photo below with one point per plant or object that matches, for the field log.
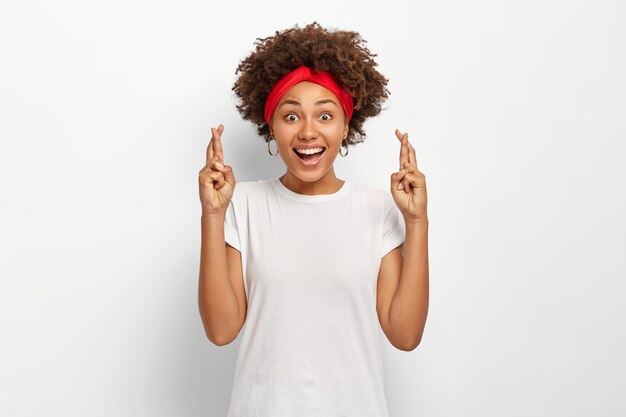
(268, 146)
(344, 140)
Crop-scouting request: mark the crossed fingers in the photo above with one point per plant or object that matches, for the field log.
(408, 160)
(215, 151)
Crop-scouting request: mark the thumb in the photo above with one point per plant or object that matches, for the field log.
(396, 179)
(227, 171)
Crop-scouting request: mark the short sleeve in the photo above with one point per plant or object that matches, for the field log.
(393, 226)
(231, 231)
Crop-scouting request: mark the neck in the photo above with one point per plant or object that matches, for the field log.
(328, 184)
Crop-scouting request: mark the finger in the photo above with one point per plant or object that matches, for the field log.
(229, 177)
(219, 183)
(399, 136)
(410, 167)
(412, 157)
(404, 155)
(209, 151)
(215, 176)
(398, 177)
(407, 181)
(414, 180)
(217, 146)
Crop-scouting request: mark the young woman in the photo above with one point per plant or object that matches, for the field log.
(313, 265)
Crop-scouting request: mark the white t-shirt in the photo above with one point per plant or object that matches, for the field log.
(311, 341)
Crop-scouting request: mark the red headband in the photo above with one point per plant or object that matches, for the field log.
(303, 73)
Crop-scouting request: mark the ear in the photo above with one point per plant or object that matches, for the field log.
(346, 129)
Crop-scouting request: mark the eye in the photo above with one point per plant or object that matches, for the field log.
(327, 114)
(290, 114)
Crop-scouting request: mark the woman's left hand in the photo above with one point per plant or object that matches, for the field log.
(411, 199)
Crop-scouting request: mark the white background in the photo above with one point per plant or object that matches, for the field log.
(515, 109)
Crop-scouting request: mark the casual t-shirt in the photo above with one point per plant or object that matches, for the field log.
(311, 342)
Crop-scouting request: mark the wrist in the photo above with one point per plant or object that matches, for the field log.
(416, 222)
(213, 215)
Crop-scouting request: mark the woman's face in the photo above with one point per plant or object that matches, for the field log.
(308, 114)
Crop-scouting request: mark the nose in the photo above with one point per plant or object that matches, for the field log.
(308, 130)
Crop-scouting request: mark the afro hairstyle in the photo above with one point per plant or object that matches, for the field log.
(342, 54)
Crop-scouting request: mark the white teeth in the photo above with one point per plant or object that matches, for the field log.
(309, 151)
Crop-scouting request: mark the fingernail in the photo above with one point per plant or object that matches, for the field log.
(400, 187)
(219, 165)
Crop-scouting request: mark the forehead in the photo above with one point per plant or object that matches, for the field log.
(307, 91)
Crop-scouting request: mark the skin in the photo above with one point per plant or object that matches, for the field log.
(403, 278)
(309, 123)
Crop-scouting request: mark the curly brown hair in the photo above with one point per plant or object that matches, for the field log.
(342, 53)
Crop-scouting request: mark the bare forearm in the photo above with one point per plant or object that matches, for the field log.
(409, 306)
(217, 301)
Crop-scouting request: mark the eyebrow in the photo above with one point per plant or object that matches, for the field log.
(297, 103)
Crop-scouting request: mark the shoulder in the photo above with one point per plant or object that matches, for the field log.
(374, 197)
(246, 185)
(248, 189)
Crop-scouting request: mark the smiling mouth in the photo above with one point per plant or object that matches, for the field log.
(311, 157)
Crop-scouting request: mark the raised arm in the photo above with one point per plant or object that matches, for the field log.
(220, 299)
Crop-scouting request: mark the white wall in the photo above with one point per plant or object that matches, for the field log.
(516, 111)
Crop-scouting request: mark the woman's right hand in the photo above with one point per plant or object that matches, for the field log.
(216, 180)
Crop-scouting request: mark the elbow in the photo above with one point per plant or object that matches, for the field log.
(219, 332)
(409, 345)
(220, 341)
(224, 335)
